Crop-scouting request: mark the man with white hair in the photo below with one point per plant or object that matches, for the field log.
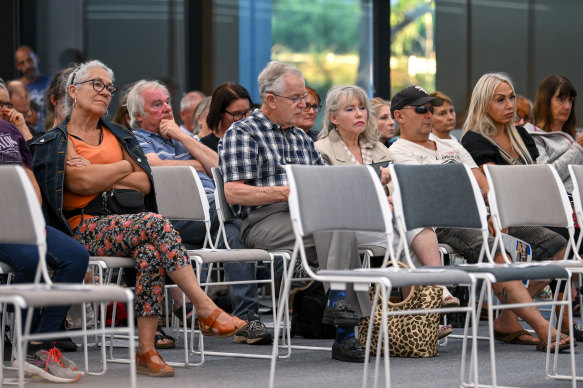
(253, 154)
(165, 144)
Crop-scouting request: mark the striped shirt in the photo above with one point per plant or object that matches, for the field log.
(256, 150)
(170, 149)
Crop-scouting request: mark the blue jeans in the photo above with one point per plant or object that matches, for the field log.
(244, 297)
(65, 256)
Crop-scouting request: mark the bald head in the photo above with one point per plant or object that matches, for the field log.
(26, 62)
(187, 106)
(19, 96)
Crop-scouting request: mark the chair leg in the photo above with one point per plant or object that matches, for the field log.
(280, 310)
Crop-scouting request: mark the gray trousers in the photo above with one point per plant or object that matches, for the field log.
(269, 227)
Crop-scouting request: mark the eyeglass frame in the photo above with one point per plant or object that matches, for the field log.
(8, 105)
(295, 99)
(316, 107)
(108, 87)
(422, 109)
(243, 115)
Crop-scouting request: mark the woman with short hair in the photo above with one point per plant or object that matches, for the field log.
(82, 166)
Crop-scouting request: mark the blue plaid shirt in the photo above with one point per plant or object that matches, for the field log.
(256, 151)
(170, 149)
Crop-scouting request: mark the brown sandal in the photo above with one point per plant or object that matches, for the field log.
(209, 325)
(147, 366)
(542, 347)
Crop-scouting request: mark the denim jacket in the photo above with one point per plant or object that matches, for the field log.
(49, 157)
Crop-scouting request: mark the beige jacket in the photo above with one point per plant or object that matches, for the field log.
(334, 154)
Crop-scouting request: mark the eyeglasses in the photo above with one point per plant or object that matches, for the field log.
(421, 110)
(294, 99)
(99, 85)
(8, 105)
(239, 115)
(315, 107)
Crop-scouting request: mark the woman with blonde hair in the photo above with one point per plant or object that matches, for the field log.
(385, 124)
(489, 133)
(491, 138)
(350, 137)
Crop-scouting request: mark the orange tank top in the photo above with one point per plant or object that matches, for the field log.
(109, 151)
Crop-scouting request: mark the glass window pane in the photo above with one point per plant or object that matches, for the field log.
(412, 46)
(330, 41)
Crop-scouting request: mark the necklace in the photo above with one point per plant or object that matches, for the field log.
(100, 135)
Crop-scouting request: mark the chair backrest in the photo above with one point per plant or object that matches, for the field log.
(528, 195)
(444, 196)
(337, 198)
(576, 173)
(22, 220)
(223, 208)
(180, 194)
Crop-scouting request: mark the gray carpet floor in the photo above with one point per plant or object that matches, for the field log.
(517, 365)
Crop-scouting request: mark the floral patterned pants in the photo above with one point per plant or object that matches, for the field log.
(148, 238)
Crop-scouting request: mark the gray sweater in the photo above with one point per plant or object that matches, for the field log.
(558, 149)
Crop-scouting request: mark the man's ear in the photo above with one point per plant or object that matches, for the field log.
(138, 117)
(270, 100)
(398, 116)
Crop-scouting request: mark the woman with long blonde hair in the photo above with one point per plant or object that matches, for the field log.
(489, 133)
(491, 138)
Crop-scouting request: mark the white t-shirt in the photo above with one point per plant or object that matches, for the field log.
(432, 136)
(448, 151)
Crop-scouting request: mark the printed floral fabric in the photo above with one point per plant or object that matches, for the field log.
(148, 238)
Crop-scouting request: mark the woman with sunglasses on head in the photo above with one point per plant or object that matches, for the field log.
(490, 137)
(82, 166)
(309, 113)
(230, 102)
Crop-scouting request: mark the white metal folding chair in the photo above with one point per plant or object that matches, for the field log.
(23, 223)
(351, 198)
(180, 195)
(535, 195)
(448, 196)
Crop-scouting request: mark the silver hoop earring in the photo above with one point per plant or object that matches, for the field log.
(75, 102)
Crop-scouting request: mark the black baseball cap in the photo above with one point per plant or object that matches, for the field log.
(413, 96)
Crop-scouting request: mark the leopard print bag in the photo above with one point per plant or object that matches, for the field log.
(409, 335)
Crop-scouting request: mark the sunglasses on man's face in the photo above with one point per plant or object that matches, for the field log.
(422, 109)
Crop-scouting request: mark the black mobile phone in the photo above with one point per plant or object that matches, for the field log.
(377, 166)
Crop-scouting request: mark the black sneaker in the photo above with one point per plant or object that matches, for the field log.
(66, 345)
(350, 351)
(300, 273)
(255, 333)
(341, 314)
